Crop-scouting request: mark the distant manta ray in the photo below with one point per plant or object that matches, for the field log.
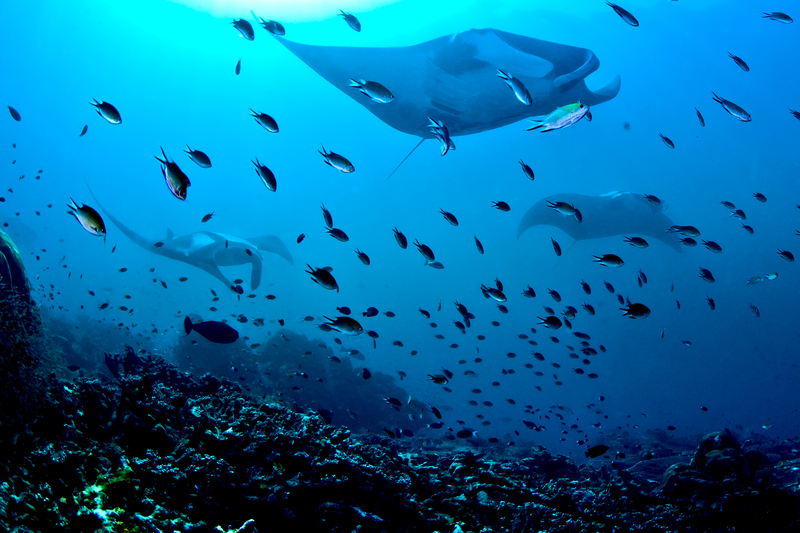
(454, 79)
(615, 213)
(208, 250)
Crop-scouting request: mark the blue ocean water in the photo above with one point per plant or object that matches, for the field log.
(169, 69)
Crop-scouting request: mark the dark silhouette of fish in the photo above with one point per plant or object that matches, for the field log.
(212, 330)
(616, 213)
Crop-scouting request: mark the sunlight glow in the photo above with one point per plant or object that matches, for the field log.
(282, 10)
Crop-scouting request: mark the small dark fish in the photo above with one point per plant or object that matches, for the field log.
(373, 90)
(609, 287)
(624, 15)
(642, 276)
(596, 451)
(586, 288)
(212, 330)
(84, 130)
(339, 162)
(207, 217)
(747, 228)
(424, 313)
(345, 325)
(678, 303)
(526, 169)
(755, 310)
(787, 255)
(555, 295)
(556, 247)
(609, 260)
(450, 217)
(88, 218)
(778, 16)
(327, 216)
(728, 205)
(425, 250)
(343, 310)
(636, 311)
(588, 308)
(123, 269)
(706, 275)
(760, 197)
(275, 28)
(529, 292)
(107, 111)
(667, 141)
(700, 117)
(502, 206)
(714, 247)
(636, 242)
(733, 109)
(478, 245)
(688, 231)
(370, 312)
(323, 277)
(265, 121)
(14, 113)
(466, 433)
(365, 373)
(158, 244)
(655, 200)
(795, 114)
(244, 28)
(551, 322)
(402, 242)
(200, 158)
(363, 257)
(238, 67)
(738, 213)
(300, 238)
(114, 249)
(176, 180)
(688, 241)
(266, 175)
(711, 303)
(351, 20)
(338, 234)
(739, 61)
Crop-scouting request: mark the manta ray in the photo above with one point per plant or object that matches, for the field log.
(615, 213)
(454, 79)
(208, 250)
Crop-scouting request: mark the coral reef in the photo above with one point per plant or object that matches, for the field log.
(159, 450)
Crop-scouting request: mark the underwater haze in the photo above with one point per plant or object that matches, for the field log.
(170, 69)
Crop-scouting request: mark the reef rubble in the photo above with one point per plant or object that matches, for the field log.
(156, 449)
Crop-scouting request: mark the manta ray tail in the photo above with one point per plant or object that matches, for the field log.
(406, 157)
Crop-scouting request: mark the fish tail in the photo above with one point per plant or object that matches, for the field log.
(535, 127)
(187, 325)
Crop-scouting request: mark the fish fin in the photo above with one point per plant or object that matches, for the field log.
(406, 157)
(170, 234)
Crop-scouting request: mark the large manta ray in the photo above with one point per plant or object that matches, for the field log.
(616, 213)
(454, 79)
(208, 251)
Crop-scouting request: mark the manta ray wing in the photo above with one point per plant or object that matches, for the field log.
(454, 78)
(609, 215)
